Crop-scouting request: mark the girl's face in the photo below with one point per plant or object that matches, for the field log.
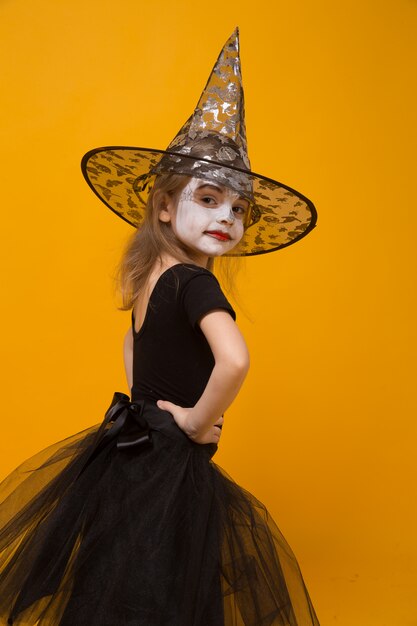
(209, 217)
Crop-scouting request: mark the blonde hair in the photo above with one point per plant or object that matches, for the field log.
(153, 238)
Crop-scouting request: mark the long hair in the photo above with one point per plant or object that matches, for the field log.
(153, 238)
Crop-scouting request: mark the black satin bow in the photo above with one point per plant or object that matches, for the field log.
(129, 425)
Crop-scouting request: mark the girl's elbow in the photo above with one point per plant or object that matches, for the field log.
(240, 364)
(245, 365)
(243, 361)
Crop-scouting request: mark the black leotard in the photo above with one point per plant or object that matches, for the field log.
(172, 359)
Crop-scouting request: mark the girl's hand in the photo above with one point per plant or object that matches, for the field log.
(181, 416)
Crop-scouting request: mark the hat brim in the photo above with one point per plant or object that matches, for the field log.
(283, 215)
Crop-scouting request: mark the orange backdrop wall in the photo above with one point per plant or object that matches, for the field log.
(324, 430)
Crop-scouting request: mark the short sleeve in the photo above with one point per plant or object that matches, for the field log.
(201, 294)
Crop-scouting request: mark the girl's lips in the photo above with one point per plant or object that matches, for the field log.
(218, 235)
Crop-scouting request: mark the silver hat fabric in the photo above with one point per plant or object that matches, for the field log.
(210, 145)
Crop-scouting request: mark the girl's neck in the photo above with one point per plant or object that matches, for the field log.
(168, 261)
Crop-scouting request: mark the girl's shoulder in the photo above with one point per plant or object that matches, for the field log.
(199, 291)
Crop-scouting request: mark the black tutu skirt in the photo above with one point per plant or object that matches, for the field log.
(131, 523)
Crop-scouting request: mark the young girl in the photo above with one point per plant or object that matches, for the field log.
(131, 522)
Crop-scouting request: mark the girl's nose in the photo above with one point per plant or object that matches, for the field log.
(227, 215)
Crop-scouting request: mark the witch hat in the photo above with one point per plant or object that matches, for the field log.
(210, 145)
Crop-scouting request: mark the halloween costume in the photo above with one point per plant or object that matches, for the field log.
(130, 522)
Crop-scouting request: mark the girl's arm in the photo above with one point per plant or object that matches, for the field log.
(128, 357)
(231, 366)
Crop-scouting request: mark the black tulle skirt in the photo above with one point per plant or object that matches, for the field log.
(131, 523)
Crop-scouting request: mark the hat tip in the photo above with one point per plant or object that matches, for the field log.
(234, 37)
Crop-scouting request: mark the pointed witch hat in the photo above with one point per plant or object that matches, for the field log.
(210, 145)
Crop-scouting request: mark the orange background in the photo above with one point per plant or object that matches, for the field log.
(324, 430)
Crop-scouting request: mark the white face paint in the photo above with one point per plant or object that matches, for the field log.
(209, 217)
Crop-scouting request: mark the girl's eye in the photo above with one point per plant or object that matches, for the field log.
(240, 209)
(208, 200)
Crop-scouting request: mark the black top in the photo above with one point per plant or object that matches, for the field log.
(172, 359)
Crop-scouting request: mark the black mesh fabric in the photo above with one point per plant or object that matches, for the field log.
(158, 535)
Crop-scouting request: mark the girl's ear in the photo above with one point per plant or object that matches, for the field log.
(162, 204)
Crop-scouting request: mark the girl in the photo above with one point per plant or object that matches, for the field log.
(131, 522)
